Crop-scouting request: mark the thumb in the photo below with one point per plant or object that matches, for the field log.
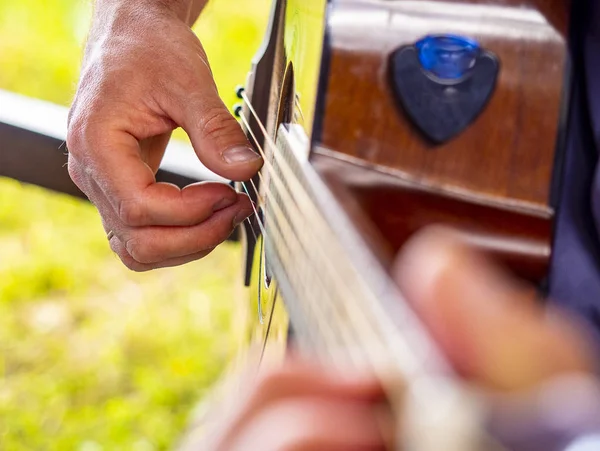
(484, 320)
(216, 136)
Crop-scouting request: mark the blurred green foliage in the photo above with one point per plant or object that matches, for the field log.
(41, 42)
(92, 356)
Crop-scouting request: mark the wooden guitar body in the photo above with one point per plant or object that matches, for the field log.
(351, 171)
(495, 179)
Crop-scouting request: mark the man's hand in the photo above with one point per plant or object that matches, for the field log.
(493, 328)
(484, 321)
(306, 408)
(144, 74)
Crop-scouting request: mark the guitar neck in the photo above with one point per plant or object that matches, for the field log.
(345, 308)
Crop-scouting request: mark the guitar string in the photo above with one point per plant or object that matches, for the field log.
(397, 340)
(358, 317)
(288, 201)
(284, 166)
(261, 316)
(249, 220)
(308, 204)
(261, 225)
(412, 334)
(401, 337)
(411, 367)
(284, 231)
(256, 215)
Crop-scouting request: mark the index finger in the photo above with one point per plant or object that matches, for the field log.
(484, 320)
(130, 186)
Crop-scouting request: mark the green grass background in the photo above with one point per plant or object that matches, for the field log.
(92, 356)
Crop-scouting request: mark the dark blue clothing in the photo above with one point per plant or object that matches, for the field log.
(575, 268)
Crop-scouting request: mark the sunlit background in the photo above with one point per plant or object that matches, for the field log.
(92, 356)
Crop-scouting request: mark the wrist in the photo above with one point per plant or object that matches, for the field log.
(122, 20)
(177, 8)
(114, 15)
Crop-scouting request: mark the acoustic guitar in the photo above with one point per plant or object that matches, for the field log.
(377, 118)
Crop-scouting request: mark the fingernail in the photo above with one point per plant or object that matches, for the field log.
(240, 217)
(420, 268)
(223, 204)
(238, 155)
(439, 262)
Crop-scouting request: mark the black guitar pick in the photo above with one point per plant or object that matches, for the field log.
(442, 108)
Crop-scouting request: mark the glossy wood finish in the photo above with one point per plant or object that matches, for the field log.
(397, 209)
(494, 180)
(303, 44)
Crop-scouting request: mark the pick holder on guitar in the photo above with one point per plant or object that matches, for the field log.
(443, 82)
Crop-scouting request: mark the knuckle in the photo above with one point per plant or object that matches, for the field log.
(83, 135)
(141, 252)
(217, 121)
(75, 136)
(75, 172)
(132, 213)
(80, 175)
(128, 261)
